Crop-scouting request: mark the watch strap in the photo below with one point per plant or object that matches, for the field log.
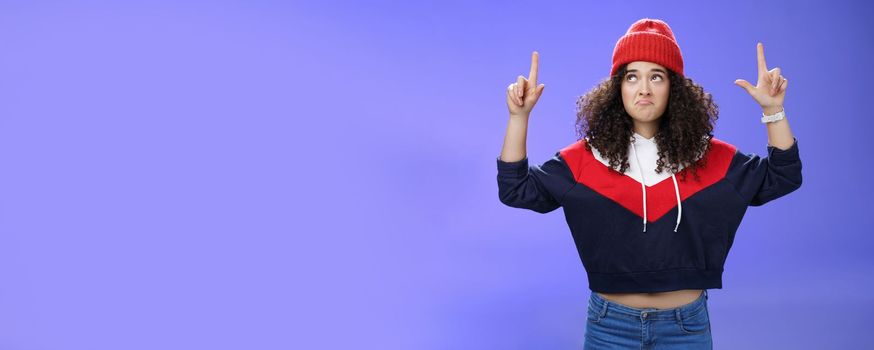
(773, 117)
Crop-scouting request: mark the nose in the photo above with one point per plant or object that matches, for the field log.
(645, 90)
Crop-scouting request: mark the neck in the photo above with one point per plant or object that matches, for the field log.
(647, 130)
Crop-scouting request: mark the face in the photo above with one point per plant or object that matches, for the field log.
(645, 90)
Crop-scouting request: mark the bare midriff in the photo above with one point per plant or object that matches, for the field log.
(661, 300)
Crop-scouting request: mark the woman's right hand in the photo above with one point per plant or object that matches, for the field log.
(524, 93)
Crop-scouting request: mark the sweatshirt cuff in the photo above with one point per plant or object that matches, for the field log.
(515, 169)
(784, 157)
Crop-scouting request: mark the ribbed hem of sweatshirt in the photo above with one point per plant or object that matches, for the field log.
(784, 157)
(513, 169)
(643, 282)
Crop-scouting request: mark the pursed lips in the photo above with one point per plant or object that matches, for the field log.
(644, 102)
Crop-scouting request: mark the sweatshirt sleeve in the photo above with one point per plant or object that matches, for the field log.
(538, 187)
(763, 179)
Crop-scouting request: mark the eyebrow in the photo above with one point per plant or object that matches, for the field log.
(651, 70)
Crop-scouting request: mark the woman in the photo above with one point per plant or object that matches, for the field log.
(652, 199)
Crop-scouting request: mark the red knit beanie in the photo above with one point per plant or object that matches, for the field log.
(648, 40)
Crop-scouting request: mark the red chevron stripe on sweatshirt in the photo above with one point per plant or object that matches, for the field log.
(660, 197)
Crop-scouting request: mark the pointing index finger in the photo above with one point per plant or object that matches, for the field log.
(532, 76)
(763, 68)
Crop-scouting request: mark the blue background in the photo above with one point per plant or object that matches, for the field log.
(321, 175)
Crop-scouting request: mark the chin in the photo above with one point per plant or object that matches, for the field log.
(645, 119)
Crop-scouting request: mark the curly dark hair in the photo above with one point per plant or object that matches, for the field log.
(685, 128)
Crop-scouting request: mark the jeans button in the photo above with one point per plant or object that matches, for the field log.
(644, 315)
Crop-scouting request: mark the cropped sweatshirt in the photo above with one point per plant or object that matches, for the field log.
(642, 231)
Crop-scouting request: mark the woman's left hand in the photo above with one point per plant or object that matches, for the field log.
(771, 87)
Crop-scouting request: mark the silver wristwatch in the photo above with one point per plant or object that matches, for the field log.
(773, 117)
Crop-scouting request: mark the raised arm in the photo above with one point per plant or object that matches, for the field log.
(536, 187)
(763, 179)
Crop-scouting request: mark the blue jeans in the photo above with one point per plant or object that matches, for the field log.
(610, 325)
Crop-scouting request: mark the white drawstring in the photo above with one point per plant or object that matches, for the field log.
(642, 183)
(643, 189)
(679, 204)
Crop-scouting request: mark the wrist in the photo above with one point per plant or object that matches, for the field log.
(773, 117)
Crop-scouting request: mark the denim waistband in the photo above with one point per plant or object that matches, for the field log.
(601, 305)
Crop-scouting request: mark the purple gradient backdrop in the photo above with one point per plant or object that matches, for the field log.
(275, 175)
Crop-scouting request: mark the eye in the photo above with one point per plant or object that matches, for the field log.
(629, 76)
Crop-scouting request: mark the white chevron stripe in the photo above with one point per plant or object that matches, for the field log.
(647, 150)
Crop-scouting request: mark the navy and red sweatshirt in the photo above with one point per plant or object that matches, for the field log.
(680, 238)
